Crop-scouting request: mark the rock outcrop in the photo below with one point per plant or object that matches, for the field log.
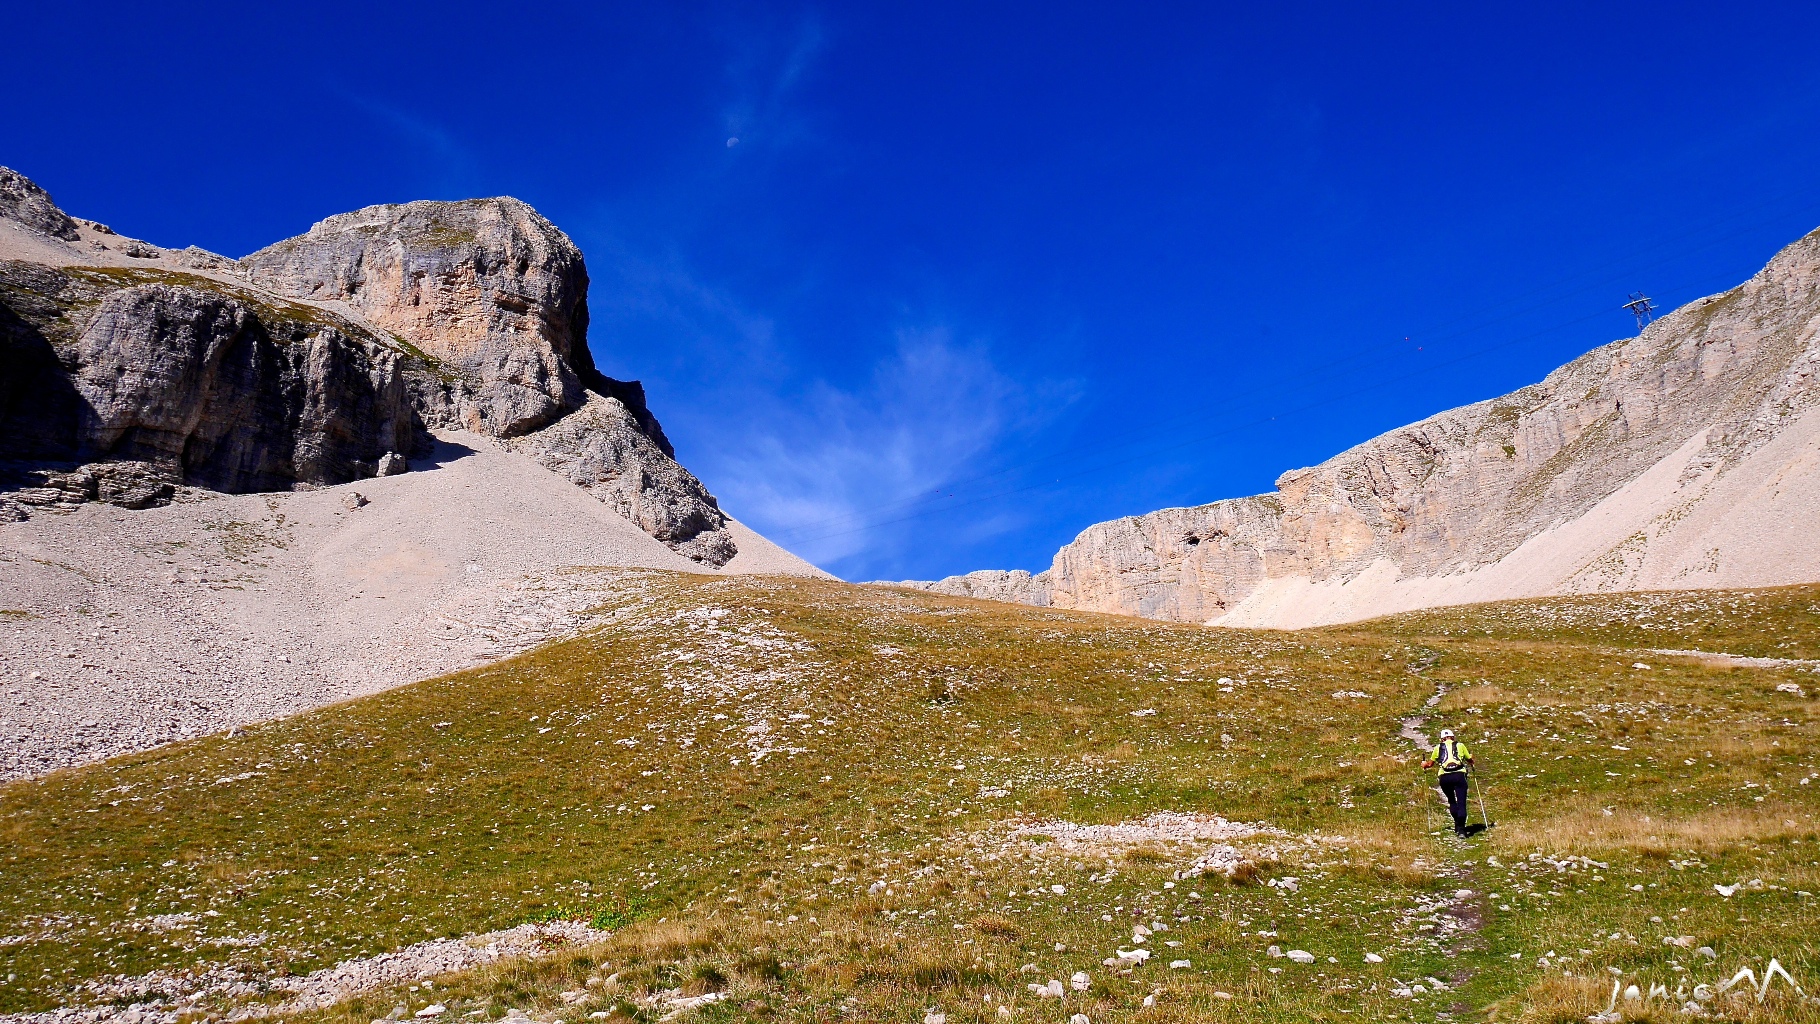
(1686, 457)
(321, 359)
(492, 293)
(602, 448)
(185, 382)
(24, 203)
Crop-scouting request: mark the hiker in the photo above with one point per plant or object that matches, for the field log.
(1450, 759)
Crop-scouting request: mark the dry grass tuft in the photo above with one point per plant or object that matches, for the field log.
(1554, 1000)
(997, 925)
(1147, 854)
(1581, 826)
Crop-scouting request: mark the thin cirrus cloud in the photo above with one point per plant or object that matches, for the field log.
(824, 471)
(841, 468)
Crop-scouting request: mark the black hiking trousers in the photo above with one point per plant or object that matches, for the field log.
(1453, 784)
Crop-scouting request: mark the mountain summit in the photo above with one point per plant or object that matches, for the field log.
(1686, 457)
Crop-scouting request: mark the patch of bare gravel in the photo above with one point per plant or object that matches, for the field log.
(164, 997)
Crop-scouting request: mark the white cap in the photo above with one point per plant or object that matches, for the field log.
(1447, 734)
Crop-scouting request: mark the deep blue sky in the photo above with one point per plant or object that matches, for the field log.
(976, 276)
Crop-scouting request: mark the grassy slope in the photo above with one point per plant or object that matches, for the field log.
(613, 777)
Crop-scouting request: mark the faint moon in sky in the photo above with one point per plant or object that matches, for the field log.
(733, 142)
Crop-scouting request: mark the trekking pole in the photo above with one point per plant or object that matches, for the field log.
(1486, 818)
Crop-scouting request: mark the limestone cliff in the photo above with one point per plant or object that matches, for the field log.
(128, 370)
(1688, 456)
(169, 378)
(494, 297)
(489, 290)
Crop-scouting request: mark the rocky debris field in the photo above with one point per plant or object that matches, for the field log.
(121, 630)
(167, 997)
(803, 800)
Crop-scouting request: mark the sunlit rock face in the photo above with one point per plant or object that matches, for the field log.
(1685, 457)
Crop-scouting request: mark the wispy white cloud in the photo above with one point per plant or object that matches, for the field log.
(838, 474)
(843, 470)
(795, 434)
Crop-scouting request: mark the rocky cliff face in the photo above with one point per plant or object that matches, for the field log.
(491, 292)
(127, 370)
(494, 297)
(24, 203)
(1689, 456)
(160, 378)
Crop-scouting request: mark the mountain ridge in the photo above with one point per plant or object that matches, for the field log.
(1599, 477)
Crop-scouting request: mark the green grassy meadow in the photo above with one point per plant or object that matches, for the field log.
(806, 797)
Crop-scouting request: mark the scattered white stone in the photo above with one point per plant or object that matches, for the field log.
(1300, 956)
(678, 1004)
(935, 1018)
(432, 1010)
(1080, 982)
(1373, 958)
(1177, 965)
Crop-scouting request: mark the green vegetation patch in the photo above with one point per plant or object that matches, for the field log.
(819, 801)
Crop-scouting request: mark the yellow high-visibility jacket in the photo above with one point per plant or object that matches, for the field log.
(1449, 756)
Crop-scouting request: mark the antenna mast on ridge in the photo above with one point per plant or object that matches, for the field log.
(1640, 307)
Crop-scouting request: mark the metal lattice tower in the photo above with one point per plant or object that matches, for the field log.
(1640, 307)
